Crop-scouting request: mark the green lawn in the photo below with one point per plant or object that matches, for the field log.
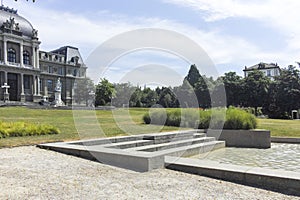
(88, 126)
(282, 128)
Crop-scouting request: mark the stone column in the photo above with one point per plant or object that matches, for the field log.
(23, 98)
(33, 57)
(38, 86)
(21, 54)
(5, 77)
(37, 94)
(5, 51)
(45, 87)
(34, 85)
(37, 57)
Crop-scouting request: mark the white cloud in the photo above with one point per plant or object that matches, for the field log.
(58, 28)
(281, 15)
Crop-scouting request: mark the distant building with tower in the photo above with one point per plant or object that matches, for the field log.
(28, 73)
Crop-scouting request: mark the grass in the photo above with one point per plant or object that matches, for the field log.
(87, 125)
(133, 124)
(280, 128)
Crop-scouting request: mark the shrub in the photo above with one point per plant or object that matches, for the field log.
(239, 119)
(19, 129)
(203, 119)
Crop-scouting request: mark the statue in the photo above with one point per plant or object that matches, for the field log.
(34, 33)
(57, 101)
(58, 85)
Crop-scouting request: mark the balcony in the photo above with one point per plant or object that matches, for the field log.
(14, 64)
(28, 66)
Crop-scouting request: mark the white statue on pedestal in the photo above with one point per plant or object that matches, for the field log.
(6, 94)
(57, 100)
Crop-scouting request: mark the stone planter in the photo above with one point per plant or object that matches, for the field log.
(243, 138)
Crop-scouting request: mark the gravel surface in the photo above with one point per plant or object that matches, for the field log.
(33, 173)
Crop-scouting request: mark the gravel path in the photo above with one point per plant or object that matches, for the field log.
(32, 173)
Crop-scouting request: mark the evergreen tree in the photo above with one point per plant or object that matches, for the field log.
(193, 75)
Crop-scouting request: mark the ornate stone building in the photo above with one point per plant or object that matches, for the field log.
(31, 74)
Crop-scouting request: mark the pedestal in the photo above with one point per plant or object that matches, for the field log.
(58, 101)
(23, 98)
(37, 98)
(6, 97)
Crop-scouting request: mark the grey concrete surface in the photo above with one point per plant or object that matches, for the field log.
(275, 180)
(243, 138)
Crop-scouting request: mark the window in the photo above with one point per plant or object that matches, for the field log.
(50, 69)
(41, 84)
(75, 72)
(268, 73)
(26, 58)
(50, 85)
(11, 55)
(60, 71)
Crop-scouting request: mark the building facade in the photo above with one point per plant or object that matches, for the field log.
(31, 74)
(270, 70)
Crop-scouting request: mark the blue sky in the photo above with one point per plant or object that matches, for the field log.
(234, 33)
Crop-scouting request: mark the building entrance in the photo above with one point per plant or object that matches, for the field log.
(13, 83)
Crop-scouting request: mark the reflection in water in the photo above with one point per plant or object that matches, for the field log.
(280, 156)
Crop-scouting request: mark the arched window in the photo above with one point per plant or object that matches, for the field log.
(26, 58)
(11, 55)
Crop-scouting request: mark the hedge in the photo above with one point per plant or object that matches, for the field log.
(235, 118)
(19, 129)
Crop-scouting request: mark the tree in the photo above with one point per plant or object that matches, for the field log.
(149, 97)
(193, 75)
(233, 87)
(167, 98)
(104, 92)
(84, 88)
(202, 93)
(256, 86)
(285, 94)
(186, 95)
(123, 94)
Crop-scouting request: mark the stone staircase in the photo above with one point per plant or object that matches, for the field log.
(140, 152)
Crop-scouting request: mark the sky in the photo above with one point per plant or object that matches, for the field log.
(233, 33)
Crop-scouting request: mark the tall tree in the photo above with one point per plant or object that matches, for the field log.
(202, 93)
(193, 75)
(233, 87)
(83, 90)
(104, 92)
(186, 95)
(167, 98)
(149, 97)
(123, 94)
(285, 94)
(256, 86)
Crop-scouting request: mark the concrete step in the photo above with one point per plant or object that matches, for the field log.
(199, 135)
(171, 136)
(194, 149)
(175, 144)
(128, 144)
(103, 141)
